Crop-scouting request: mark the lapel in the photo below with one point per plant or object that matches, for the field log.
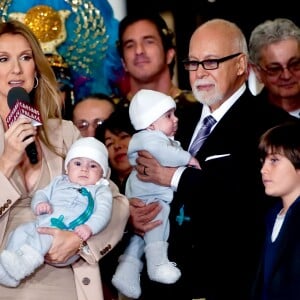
(2, 132)
(188, 117)
(223, 139)
(288, 234)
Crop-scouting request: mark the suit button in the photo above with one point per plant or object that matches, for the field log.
(86, 281)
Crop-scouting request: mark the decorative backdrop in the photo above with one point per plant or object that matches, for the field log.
(83, 32)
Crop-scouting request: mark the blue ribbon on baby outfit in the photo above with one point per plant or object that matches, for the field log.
(59, 223)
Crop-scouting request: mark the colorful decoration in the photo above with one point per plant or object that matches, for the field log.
(47, 24)
(83, 32)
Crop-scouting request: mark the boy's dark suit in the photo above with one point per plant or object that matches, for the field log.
(285, 271)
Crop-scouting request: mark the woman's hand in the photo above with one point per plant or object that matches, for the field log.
(142, 215)
(65, 244)
(16, 139)
(150, 170)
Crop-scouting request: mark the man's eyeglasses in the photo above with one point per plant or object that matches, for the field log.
(276, 70)
(84, 124)
(207, 64)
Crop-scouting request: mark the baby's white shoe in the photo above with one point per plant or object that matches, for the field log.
(159, 267)
(127, 276)
(22, 262)
(6, 279)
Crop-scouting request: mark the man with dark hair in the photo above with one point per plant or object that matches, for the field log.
(165, 33)
(147, 49)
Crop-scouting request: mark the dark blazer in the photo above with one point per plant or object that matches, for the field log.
(284, 281)
(218, 249)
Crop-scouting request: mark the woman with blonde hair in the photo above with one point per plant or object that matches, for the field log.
(23, 64)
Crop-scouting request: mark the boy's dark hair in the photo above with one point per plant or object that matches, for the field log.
(282, 139)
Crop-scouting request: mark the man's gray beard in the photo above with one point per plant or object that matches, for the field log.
(212, 100)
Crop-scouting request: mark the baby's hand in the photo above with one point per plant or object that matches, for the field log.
(83, 231)
(194, 163)
(43, 208)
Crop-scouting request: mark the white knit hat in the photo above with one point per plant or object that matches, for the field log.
(89, 147)
(147, 106)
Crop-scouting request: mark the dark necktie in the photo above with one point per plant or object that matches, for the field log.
(202, 134)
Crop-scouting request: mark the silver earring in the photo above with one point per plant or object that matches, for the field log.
(36, 82)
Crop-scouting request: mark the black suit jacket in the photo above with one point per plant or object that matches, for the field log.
(284, 281)
(218, 249)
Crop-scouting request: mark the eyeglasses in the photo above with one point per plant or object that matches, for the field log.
(207, 64)
(83, 125)
(276, 70)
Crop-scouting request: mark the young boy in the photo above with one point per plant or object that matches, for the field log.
(152, 115)
(279, 272)
(80, 200)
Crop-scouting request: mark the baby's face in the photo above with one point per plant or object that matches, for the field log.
(84, 171)
(167, 123)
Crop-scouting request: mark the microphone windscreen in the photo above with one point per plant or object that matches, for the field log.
(15, 94)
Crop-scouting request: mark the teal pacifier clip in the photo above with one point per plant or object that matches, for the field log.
(59, 223)
(182, 217)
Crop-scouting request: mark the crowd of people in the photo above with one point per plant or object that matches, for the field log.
(203, 185)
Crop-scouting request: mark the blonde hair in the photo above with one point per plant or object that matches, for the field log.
(45, 95)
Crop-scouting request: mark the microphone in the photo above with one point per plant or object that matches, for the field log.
(19, 102)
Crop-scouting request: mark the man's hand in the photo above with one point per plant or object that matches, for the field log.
(150, 170)
(142, 215)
